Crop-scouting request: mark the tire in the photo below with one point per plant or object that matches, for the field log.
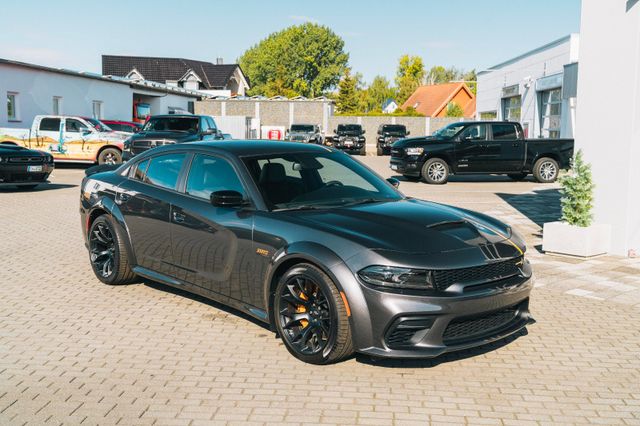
(411, 178)
(110, 156)
(379, 151)
(363, 151)
(546, 170)
(518, 176)
(435, 171)
(106, 245)
(307, 305)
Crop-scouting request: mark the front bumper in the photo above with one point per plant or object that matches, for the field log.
(12, 174)
(395, 325)
(410, 166)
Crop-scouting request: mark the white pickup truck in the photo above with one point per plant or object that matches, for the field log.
(69, 139)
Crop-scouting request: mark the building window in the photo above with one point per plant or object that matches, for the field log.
(550, 113)
(489, 115)
(190, 107)
(12, 106)
(97, 110)
(57, 105)
(511, 108)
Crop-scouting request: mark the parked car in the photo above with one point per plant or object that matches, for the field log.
(312, 242)
(350, 138)
(477, 147)
(307, 133)
(22, 167)
(387, 135)
(171, 129)
(68, 139)
(128, 127)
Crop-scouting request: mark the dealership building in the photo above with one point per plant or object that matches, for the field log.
(537, 89)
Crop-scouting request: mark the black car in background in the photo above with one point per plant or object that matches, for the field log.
(479, 147)
(312, 242)
(170, 129)
(24, 168)
(388, 134)
(350, 138)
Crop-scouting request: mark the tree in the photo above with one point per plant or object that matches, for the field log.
(409, 76)
(439, 75)
(314, 57)
(454, 110)
(377, 93)
(348, 100)
(471, 79)
(577, 193)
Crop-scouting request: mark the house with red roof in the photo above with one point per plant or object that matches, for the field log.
(433, 100)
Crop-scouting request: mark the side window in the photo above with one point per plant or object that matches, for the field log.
(476, 132)
(76, 126)
(210, 174)
(288, 166)
(140, 171)
(504, 132)
(50, 124)
(164, 170)
(212, 123)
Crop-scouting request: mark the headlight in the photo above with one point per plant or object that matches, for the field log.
(1, 159)
(395, 277)
(414, 151)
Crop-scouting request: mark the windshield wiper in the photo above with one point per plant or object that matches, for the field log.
(364, 201)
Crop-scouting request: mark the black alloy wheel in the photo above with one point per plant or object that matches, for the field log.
(311, 316)
(108, 253)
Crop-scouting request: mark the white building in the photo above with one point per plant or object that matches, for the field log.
(537, 88)
(28, 90)
(608, 115)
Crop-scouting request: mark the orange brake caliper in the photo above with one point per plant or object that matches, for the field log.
(300, 309)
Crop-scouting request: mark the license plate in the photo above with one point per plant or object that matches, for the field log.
(394, 167)
(34, 168)
(348, 143)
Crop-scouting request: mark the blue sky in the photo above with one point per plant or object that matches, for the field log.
(465, 34)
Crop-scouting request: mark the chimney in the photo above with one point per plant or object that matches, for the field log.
(219, 61)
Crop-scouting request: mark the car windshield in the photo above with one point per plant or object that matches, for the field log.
(449, 131)
(99, 125)
(302, 128)
(351, 128)
(394, 129)
(172, 124)
(310, 180)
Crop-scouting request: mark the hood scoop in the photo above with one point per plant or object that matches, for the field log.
(461, 230)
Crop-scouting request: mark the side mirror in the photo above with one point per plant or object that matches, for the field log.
(227, 199)
(364, 131)
(393, 181)
(466, 138)
(408, 133)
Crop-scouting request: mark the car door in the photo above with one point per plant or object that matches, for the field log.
(49, 132)
(145, 202)
(471, 150)
(212, 245)
(506, 137)
(75, 141)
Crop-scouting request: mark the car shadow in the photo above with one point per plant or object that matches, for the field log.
(539, 206)
(201, 299)
(472, 179)
(39, 188)
(442, 359)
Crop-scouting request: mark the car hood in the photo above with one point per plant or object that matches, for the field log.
(411, 226)
(11, 150)
(300, 133)
(406, 143)
(162, 135)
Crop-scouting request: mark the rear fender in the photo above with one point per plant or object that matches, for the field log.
(108, 205)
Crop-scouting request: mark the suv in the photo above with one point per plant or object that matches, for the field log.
(388, 134)
(169, 129)
(307, 133)
(350, 137)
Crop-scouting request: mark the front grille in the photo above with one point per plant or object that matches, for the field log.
(29, 160)
(398, 338)
(143, 145)
(396, 152)
(476, 327)
(22, 177)
(443, 279)
(404, 329)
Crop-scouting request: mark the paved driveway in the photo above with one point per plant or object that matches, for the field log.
(73, 350)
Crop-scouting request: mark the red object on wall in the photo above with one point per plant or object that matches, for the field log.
(274, 134)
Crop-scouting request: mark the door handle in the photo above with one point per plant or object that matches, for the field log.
(178, 217)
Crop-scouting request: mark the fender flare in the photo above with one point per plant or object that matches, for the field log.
(108, 205)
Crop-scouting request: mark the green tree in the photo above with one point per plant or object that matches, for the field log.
(377, 93)
(409, 76)
(348, 97)
(314, 57)
(577, 193)
(454, 110)
(439, 75)
(471, 79)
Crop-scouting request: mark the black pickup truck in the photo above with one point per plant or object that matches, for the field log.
(350, 138)
(478, 147)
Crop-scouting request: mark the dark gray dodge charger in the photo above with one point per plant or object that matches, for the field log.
(312, 242)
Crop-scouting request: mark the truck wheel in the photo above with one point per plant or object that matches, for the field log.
(435, 171)
(545, 170)
(379, 151)
(518, 176)
(363, 150)
(110, 156)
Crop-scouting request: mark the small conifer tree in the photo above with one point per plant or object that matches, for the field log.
(577, 193)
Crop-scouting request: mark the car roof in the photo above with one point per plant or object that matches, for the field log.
(243, 148)
(176, 116)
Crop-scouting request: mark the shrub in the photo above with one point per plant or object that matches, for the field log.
(577, 193)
